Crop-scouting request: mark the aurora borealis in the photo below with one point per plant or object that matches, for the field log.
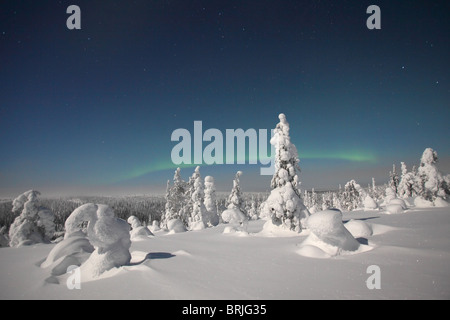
(95, 108)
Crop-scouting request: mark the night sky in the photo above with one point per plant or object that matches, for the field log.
(92, 110)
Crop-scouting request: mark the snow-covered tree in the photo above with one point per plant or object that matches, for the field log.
(393, 179)
(35, 223)
(253, 210)
(407, 185)
(351, 197)
(199, 212)
(110, 236)
(235, 212)
(137, 229)
(431, 182)
(284, 204)
(210, 202)
(176, 201)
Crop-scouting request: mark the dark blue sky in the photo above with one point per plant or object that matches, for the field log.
(93, 109)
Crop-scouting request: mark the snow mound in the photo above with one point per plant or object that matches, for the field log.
(197, 225)
(74, 250)
(394, 208)
(328, 236)
(175, 226)
(233, 216)
(312, 251)
(110, 237)
(358, 228)
(400, 202)
(420, 202)
(155, 226)
(327, 226)
(272, 230)
(441, 203)
(138, 232)
(237, 230)
(369, 203)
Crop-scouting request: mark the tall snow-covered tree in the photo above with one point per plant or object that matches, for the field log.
(176, 200)
(235, 212)
(393, 179)
(199, 213)
(211, 202)
(407, 184)
(35, 223)
(431, 182)
(284, 204)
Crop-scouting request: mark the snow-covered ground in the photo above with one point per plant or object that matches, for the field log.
(411, 249)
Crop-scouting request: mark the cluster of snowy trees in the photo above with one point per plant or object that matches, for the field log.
(426, 184)
(194, 203)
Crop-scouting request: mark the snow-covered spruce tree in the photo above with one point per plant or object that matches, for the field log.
(35, 223)
(168, 212)
(199, 213)
(176, 201)
(351, 197)
(393, 179)
(253, 211)
(235, 212)
(210, 202)
(284, 204)
(406, 187)
(431, 182)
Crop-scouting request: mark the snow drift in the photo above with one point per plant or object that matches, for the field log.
(106, 237)
(328, 236)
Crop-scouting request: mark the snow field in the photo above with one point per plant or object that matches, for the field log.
(411, 249)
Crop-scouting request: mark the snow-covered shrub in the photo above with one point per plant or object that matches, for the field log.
(328, 235)
(420, 202)
(155, 226)
(175, 226)
(110, 236)
(394, 208)
(35, 224)
(137, 229)
(441, 203)
(369, 203)
(390, 195)
(400, 202)
(284, 205)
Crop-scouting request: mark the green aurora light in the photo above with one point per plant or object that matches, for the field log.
(349, 156)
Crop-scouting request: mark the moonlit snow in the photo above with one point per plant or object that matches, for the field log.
(412, 250)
